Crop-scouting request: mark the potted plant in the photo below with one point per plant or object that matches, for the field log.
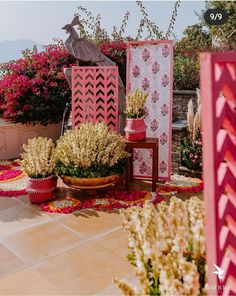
(90, 157)
(38, 161)
(135, 129)
(167, 261)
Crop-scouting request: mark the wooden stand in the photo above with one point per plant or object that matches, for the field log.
(148, 143)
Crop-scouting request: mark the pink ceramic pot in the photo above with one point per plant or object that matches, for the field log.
(41, 190)
(135, 129)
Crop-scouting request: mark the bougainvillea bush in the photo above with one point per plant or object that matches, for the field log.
(34, 88)
(116, 51)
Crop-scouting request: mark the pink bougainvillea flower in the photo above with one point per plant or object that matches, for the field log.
(27, 85)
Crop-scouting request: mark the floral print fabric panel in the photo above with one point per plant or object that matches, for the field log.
(150, 69)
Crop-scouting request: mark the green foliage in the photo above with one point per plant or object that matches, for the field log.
(94, 171)
(186, 57)
(91, 27)
(192, 154)
(135, 116)
(186, 73)
(201, 268)
(200, 263)
(225, 33)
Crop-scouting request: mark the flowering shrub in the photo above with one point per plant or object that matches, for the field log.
(34, 88)
(90, 151)
(116, 51)
(38, 158)
(167, 248)
(135, 103)
(186, 57)
(192, 154)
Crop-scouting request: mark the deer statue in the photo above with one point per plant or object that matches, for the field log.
(86, 51)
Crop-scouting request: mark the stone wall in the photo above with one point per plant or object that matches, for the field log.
(180, 103)
(179, 131)
(179, 128)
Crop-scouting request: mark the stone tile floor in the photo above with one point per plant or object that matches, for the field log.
(57, 254)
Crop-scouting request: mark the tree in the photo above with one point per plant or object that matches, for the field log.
(224, 35)
(186, 59)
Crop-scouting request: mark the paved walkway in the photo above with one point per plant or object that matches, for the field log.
(58, 254)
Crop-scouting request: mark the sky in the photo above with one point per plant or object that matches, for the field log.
(41, 21)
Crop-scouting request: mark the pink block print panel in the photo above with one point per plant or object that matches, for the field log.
(150, 68)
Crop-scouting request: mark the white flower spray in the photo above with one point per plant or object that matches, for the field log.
(165, 245)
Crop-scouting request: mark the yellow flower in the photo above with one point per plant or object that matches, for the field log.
(159, 242)
(135, 103)
(38, 158)
(91, 144)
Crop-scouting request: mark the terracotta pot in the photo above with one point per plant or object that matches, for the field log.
(135, 129)
(91, 186)
(89, 183)
(41, 190)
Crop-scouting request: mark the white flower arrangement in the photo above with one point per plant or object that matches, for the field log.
(135, 103)
(38, 158)
(92, 150)
(167, 248)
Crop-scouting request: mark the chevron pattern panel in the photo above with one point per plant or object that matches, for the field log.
(218, 87)
(95, 95)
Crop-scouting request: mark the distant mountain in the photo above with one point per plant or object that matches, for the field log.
(11, 50)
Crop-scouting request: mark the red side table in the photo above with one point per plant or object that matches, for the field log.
(148, 143)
